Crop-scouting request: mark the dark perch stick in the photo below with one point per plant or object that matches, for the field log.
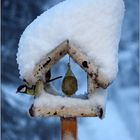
(54, 79)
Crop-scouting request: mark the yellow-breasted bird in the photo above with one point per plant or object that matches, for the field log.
(69, 83)
(34, 89)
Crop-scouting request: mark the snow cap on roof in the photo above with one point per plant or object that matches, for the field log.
(94, 25)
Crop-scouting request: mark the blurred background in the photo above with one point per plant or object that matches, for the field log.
(121, 120)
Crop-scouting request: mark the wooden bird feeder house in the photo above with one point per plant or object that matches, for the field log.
(70, 111)
(58, 32)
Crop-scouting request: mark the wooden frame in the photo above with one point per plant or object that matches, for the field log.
(95, 81)
(66, 107)
(68, 110)
(78, 56)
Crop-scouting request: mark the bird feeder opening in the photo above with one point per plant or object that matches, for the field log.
(60, 68)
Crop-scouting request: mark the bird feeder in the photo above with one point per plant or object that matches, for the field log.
(67, 109)
(89, 32)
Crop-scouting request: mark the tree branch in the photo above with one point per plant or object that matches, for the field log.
(52, 105)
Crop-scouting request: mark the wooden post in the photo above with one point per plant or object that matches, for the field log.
(68, 128)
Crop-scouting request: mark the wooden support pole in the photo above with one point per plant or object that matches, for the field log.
(68, 128)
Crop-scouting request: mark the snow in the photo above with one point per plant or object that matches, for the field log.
(125, 117)
(68, 136)
(99, 98)
(94, 25)
(47, 102)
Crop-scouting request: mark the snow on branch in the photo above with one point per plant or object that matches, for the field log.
(51, 105)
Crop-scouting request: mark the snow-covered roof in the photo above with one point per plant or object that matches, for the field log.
(94, 25)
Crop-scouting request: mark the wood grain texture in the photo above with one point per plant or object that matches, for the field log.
(68, 128)
(77, 55)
